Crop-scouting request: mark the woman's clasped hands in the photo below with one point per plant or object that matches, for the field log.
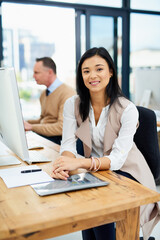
(62, 166)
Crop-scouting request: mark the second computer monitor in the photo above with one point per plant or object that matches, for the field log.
(12, 132)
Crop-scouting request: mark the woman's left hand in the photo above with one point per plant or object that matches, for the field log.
(64, 163)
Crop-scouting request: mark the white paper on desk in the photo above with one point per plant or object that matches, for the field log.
(14, 178)
(2, 149)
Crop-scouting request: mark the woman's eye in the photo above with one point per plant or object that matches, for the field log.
(86, 71)
(99, 69)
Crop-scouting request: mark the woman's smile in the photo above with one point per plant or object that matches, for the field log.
(94, 83)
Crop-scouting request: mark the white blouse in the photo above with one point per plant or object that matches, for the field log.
(122, 144)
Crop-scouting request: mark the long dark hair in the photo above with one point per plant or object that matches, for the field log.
(113, 90)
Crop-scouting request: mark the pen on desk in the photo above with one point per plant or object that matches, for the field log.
(31, 170)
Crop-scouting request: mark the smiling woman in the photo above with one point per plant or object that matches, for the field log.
(105, 121)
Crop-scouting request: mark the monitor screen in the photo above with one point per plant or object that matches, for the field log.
(147, 88)
(12, 132)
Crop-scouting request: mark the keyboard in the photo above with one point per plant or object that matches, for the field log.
(35, 156)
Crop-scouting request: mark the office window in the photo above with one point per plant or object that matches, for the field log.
(145, 60)
(102, 32)
(83, 34)
(107, 3)
(119, 51)
(33, 31)
(153, 5)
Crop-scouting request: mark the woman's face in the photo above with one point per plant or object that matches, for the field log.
(96, 74)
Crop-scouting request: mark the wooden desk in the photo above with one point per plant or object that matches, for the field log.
(25, 215)
(158, 124)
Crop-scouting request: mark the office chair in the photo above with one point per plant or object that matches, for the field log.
(146, 139)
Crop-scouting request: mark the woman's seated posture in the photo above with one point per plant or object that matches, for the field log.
(105, 121)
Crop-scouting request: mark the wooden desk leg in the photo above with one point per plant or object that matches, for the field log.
(128, 229)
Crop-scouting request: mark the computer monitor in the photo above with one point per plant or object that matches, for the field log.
(12, 132)
(147, 88)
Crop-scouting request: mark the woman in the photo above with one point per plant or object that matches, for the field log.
(105, 121)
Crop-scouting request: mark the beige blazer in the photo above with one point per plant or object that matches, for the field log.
(135, 163)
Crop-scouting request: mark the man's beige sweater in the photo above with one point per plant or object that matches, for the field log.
(50, 122)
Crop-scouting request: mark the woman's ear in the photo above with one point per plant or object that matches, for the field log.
(111, 73)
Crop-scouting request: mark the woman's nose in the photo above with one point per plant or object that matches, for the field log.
(92, 74)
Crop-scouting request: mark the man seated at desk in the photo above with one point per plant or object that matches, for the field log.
(50, 122)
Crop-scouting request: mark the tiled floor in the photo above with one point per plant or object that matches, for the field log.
(78, 236)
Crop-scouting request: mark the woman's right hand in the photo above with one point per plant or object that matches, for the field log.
(63, 175)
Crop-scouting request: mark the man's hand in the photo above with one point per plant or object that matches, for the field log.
(27, 126)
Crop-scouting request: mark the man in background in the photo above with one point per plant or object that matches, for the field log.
(52, 100)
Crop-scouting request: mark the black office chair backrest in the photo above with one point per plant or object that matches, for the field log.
(146, 139)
